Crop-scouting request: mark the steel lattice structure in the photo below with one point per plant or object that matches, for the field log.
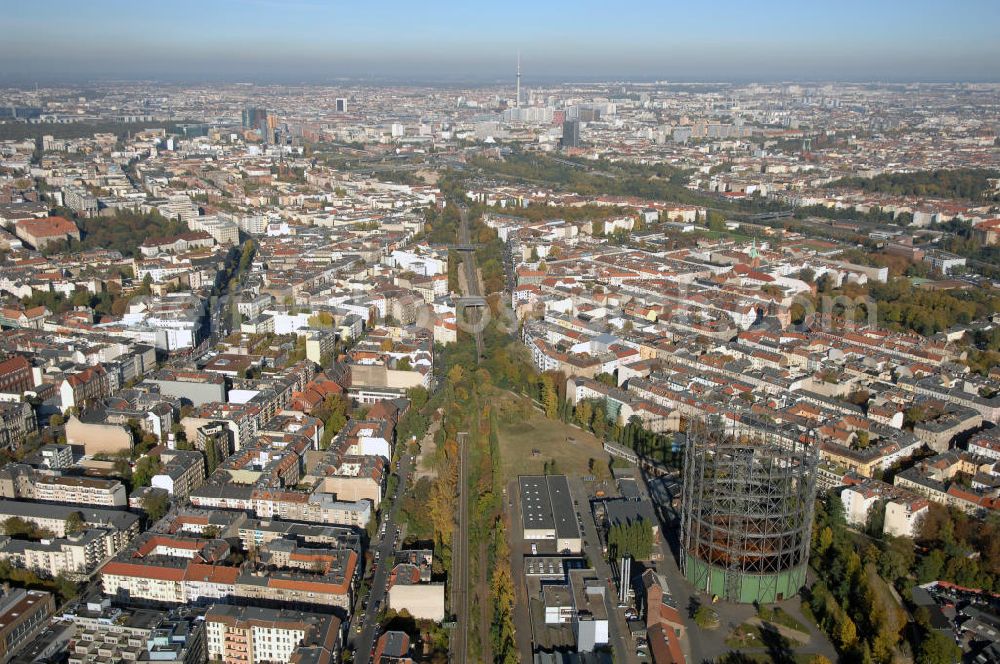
(747, 513)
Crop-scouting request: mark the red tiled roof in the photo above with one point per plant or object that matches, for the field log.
(47, 227)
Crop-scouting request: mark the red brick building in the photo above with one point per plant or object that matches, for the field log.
(40, 233)
(15, 375)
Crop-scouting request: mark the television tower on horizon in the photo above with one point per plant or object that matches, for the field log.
(517, 98)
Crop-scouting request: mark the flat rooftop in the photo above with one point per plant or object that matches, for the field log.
(536, 508)
(546, 504)
(562, 507)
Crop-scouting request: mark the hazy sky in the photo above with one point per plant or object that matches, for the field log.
(316, 40)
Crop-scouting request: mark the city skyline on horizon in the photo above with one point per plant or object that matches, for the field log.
(446, 42)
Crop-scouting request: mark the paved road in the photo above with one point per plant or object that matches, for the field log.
(386, 546)
(460, 560)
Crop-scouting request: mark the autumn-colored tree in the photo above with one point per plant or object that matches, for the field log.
(824, 541)
(502, 590)
(847, 632)
(549, 398)
(440, 508)
(75, 523)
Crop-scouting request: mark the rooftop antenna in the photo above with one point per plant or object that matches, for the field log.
(517, 99)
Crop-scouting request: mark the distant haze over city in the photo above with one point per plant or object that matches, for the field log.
(466, 332)
(445, 41)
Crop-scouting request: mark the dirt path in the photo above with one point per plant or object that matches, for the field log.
(423, 461)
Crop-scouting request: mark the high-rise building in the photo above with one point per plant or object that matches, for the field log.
(571, 134)
(253, 116)
(261, 120)
(341, 105)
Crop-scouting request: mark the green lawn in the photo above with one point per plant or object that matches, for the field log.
(764, 658)
(751, 636)
(523, 429)
(781, 617)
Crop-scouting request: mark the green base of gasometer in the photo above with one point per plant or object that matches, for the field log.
(734, 586)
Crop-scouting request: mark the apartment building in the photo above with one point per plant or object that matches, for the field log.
(257, 533)
(17, 420)
(183, 472)
(23, 613)
(664, 625)
(317, 507)
(96, 435)
(80, 200)
(56, 456)
(79, 553)
(85, 385)
(169, 569)
(102, 633)
(15, 375)
(941, 431)
(935, 479)
(394, 647)
(122, 526)
(904, 509)
(79, 491)
(254, 635)
(986, 445)
(198, 387)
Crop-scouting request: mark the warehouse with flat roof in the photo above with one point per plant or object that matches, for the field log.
(547, 512)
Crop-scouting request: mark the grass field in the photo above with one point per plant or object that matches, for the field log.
(524, 429)
(781, 617)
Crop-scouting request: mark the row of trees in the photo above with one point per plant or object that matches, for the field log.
(107, 302)
(489, 256)
(414, 424)
(502, 630)
(454, 262)
(967, 183)
(16, 131)
(633, 539)
(61, 584)
(467, 397)
(657, 182)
